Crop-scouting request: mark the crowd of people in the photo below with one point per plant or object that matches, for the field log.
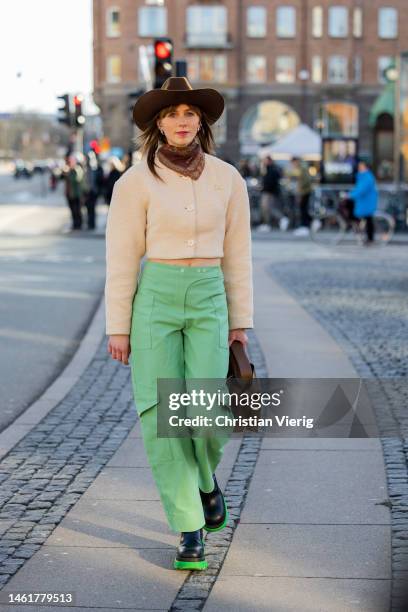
(362, 200)
(86, 181)
(270, 176)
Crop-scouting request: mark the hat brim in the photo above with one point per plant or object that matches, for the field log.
(151, 102)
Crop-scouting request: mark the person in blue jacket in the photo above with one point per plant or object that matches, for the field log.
(365, 196)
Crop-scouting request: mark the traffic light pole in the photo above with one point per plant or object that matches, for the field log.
(71, 114)
(79, 140)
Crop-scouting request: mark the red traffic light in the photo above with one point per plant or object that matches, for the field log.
(162, 49)
(94, 145)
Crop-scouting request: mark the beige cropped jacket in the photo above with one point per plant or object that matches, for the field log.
(179, 218)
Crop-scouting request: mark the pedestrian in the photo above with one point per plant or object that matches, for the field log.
(303, 191)
(188, 212)
(54, 176)
(244, 168)
(93, 182)
(254, 168)
(74, 190)
(271, 197)
(365, 197)
(116, 169)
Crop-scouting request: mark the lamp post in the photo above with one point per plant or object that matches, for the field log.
(303, 76)
(303, 73)
(392, 75)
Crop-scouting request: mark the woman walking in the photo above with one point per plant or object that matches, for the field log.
(188, 212)
(365, 196)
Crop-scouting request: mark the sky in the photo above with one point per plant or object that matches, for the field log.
(49, 42)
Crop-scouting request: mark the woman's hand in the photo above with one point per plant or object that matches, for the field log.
(119, 347)
(237, 334)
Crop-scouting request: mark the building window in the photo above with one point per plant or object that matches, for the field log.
(286, 21)
(152, 21)
(387, 22)
(358, 22)
(285, 69)
(256, 21)
(357, 69)
(193, 67)
(317, 69)
(207, 68)
(338, 21)
(317, 21)
(113, 69)
(256, 69)
(112, 22)
(337, 69)
(206, 25)
(220, 68)
(384, 62)
(338, 119)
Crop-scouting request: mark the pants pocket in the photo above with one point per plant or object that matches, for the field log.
(221, 309)
(158, 450)
(141, 329)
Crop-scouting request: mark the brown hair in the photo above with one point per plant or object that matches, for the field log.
(150, 138)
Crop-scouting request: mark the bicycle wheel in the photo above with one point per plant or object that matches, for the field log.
(384, 227)
(328, 229)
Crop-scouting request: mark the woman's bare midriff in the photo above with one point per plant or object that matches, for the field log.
(194, 261)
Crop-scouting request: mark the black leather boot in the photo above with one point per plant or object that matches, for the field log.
(215, 508)
(190, 552)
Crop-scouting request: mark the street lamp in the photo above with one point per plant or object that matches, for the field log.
(303, 76)
(391, 73)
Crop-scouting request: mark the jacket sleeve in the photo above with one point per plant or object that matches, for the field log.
(237, 260)
(363, 186)
(125, 246)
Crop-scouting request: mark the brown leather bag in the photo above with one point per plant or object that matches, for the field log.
(240, 379)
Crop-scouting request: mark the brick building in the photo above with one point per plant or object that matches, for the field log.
(277, 63)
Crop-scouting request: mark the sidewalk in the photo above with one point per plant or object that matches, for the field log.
(310, 536)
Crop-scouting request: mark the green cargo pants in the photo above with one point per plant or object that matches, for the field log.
(179, 331)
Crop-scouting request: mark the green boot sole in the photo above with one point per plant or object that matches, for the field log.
(190, 565)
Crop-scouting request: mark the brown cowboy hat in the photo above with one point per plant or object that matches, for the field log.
(177, 90)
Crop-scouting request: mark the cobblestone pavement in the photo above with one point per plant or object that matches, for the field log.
(197, 587)
(361, 299)
(47, 472)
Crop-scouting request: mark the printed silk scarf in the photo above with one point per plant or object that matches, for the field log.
(188, 160)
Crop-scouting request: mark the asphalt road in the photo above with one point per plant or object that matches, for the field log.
(27, 191)
(50, 285)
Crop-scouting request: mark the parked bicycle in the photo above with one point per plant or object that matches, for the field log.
(333, 222)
